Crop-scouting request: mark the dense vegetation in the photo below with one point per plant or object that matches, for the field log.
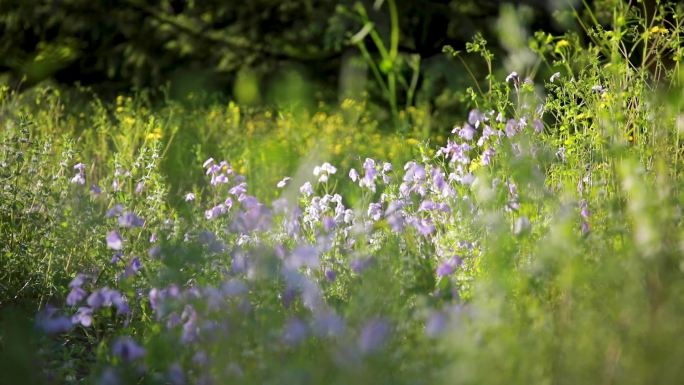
(199, 241)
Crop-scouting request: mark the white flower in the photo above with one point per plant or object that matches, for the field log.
(283, 182)
(554, 77)
(353, 175)
(512, 76)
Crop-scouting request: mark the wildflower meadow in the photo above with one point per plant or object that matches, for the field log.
(535, 239)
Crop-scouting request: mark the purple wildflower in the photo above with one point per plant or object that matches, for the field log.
(436, 324)
(51, 323)
(129, 220)
(114, 240)
(189, 197)
(511, 128)
(127, 349)
(114, 211)
(78, 179)
(374, 335)
(424, 225)
(467, 132)
(306, 189)
(375, 211)
(360, 264)
(328, 324)
(83, 316)
(295, 331)
(78, 280)
(303, 256)
(75, 296)
(449, 266)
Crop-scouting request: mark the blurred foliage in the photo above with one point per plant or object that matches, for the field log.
(243, 48)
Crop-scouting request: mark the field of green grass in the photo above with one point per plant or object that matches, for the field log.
(538, 240)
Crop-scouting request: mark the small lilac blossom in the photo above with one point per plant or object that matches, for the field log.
(511, 128)
(374, 335)
(428, 205)
(584, 209)
(95, 189)
(449, 266)
(215, 211)
(358, 265)
(423, 225)
(487, 132)
(83, 316)
(436, 324)
(585, 228)
(487, 156)
(522, 122)
(189, 197)
(78, 179)
(522, 225)
(234, 288)
(127, 349)
(114, 240)
(467, 132)
(51, 323)
(136, 265)
(475, 117)
(78, 280)
(303, 256)
(328, 223)
(330, 275)
(129, 220)
(538, 126)
(375, 211)
(295, 331)
(114, 211)
(561, 153)
(75, 296)
(174, 375)
(396, 221)
(306, 189)
(239, 189)
(328, 324)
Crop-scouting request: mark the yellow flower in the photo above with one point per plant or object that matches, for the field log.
(659, 30)
(560, 45)
(154, 134)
